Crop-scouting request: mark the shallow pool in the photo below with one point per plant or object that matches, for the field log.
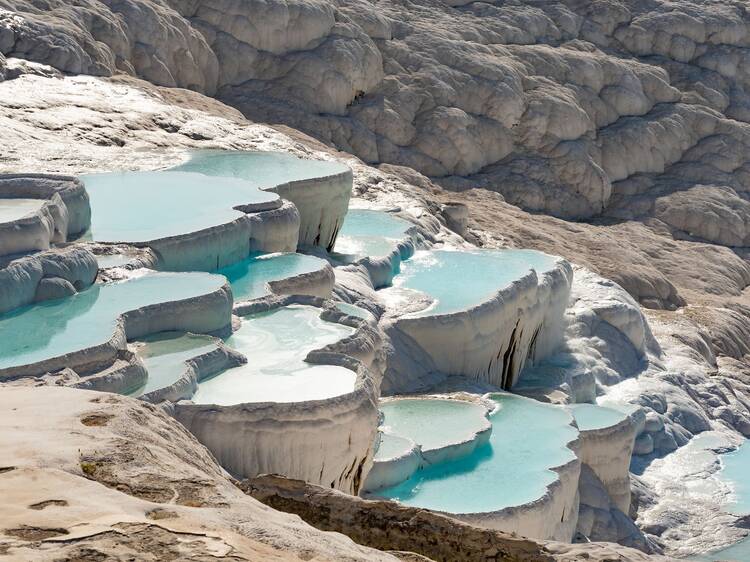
(276, 344)
(434, 423)
(591, 416)
(262, 169)
(14, 209)
(459, 280)
(735, 470)
(53, 328)
(164, 357)
(370, 233)
(250, 276)
(528, 438)
(146, 206)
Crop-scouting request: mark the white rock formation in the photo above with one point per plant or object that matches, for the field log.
(490, 343)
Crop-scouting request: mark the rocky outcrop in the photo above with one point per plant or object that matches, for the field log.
(112, 477)
(45, 275)
(385, 524)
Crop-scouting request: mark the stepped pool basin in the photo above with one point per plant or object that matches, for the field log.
(164, 357)
(276, 344)
(354, 310)
(370, 233)
(433, 423)
(261, 169)
(140, 207)
(460, 280)
(249, 277)
(113, 260)
(14, 209)
(590, 416)
(528, 439)
(89, 318)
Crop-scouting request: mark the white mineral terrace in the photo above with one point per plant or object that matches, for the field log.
(290, 385)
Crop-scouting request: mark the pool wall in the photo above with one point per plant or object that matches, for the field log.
(382, 270)
(208, 313)
(327, 442)
(490, 342)
(65, 213)
(266, 230)
(607, 452)
(124, 375)
(390, 472)
(45, 275)
(322, 203)
(318, 283)
(275, 230)
(196, 368)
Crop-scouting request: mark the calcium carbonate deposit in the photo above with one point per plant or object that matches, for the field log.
(452, 280)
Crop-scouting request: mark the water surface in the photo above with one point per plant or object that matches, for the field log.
(57, 327)
(276, 344)
(14, 209)
(528, 438)
(459, 280)
(261, 169)
(146, 206)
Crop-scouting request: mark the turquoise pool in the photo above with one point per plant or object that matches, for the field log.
(370, 233)
(262, 169)
(735, 469)
(276, 344)
(528, 438)
(249, 277)
(53, 328)
(146, 206)
(164, 357)
(14, 209)
(591, 416)
(433, 423)
(459, 280)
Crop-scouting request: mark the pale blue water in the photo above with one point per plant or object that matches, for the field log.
(528, 438)
(276, 344)
(249, 276)
(164, 357)
(370, 233)
(392, 446)
(13, 209)
(433, 423)
(114, 260)
(591, 416)
(735, 469)
(262, 169)
(459, 280)
(145, 206)
(53, 328)
(738, 552)
(354, 310)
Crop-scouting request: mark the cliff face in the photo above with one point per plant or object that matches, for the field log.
(626, 108)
